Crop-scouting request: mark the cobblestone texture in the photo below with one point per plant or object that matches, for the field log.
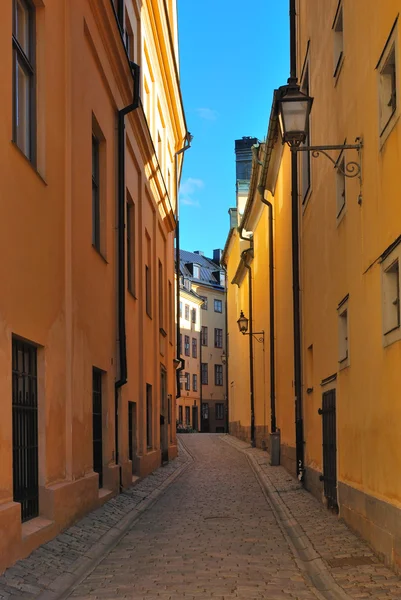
(329, 536)
(212, 534)
(62, 555)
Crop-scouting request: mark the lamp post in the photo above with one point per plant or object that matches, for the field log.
(243, 324)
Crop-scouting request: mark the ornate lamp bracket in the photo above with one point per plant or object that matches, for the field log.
(258, 335)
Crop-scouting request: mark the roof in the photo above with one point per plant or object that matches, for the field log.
(207, 268)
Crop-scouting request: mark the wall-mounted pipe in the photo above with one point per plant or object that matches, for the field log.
(122, 379)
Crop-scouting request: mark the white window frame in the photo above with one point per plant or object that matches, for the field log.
(391, 292)
(387, 119)
(338, 40)
(343, 334)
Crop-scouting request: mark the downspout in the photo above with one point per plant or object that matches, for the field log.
(299, 427)
(273, 424)
(122, 380)
(187, 145)
(226, 365)
(251, 376)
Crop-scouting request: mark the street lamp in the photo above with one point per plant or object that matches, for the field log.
(294, 108)
(294, 111)
(243, 324)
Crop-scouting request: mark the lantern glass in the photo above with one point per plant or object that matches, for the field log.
(243, 323)
(294, 111)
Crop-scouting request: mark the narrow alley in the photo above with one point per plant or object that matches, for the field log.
(218, 522)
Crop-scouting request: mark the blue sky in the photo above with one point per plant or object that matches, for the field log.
(232, 56)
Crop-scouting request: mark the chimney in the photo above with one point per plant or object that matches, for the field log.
(217, 255)
(199, 252)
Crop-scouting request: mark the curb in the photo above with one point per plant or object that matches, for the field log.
(62, 587)
(311, 561)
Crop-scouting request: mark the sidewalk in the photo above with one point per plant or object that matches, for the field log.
(51, 569)
(334, 557)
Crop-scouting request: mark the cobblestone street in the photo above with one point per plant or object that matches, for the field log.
(218, 522)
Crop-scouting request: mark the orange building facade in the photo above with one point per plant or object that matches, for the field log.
(87, 337)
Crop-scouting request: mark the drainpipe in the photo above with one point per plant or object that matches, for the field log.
(122, 380)
(187, 145)
(251, 376)
(226, 365)
(271, 319)
(299, 427)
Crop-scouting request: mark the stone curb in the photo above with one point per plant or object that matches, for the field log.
(64, 585)
(301, 545)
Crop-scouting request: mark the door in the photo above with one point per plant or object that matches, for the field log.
(328, 413)
(163, 415)
(25, 429)
(132, 443)
(97, 424)
(195, 418)
(205, 418)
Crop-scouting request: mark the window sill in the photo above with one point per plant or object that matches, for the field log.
(163, 332)
(391, 123)
(32, 166)
(132, 294)
(343, 364)
(104, 259)
(391, 337)
(35, 526)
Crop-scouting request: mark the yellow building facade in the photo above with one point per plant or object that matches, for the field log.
(87, 144)
(349, 241)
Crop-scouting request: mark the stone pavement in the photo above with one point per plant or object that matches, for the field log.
(216, 523)
(346, 558)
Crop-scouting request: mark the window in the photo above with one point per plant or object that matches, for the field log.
(343, 345)
(205, 410)
(95, 193)
(119, 8)
(187, 312)
(180, 343)
(194, 348)
(161, 297)
(218, 306)
(180, 414)
(204, 305)
(129, 38)
(218, 374)
(219, 411)
(170, 310)
(338, 31)
(196, 272)
(148, 276)
(387, 70)
(204, 374)
(187, 415)
(180, 309)
(391, 297)
(131, 246)
(194, 315)
(149, 412)
(194, 382)
(204, 336)
(218, 338)
(187, 382)
(305, 156)
(23, 42)
(186, 349)
(340, 183)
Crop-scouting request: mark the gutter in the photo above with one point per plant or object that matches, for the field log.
(122, 380)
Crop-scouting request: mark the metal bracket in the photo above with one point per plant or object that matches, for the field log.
(255, 334)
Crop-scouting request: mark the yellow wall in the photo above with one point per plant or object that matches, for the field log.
(58, 292)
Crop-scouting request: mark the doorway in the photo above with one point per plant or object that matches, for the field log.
(163, 415)
(132, 429)
(328, 412)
